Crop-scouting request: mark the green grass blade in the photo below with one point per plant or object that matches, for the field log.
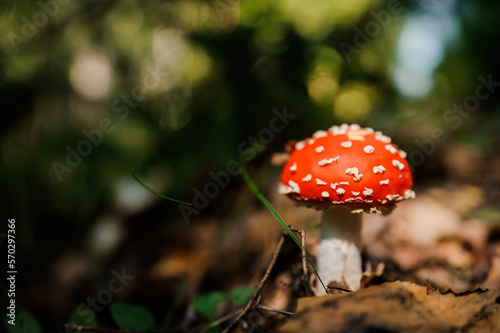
(175, 303)
(150, 190)
(268, 205)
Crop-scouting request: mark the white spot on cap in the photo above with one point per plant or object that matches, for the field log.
(398, 164)
(299, 145)
(369, 130)
(283, 189)
(392, 197)
(328, 161)
(385, 138)
(310, 141)
(319, 149)
(355, 172)
(320, 134)
(343, 129)
(367, 192)
(351, 171)
(346, 144)
(409, 194)
(344, 183)
(295, 187)
(384, 182)
(402, 153)
(354, 127)
(355, 135)
(334, 185)
(340, 191)
(320, 182)
(325, 194)
(378, 169)
(334, 129)
(355, 193)
(293, 168)
(381, 137)
(307, 178)
(392, 149)
(369, 149)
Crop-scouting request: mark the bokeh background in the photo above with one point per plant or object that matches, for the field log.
(177, 89)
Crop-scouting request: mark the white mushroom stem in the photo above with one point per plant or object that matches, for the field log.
(339, 253)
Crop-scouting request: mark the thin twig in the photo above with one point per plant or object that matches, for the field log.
(80, 328)
(222, 319)
(253, 300)
(263, 307)
(305, 271)
(339, 288)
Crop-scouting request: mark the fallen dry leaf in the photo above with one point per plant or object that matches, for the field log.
(397, 307)
(453, 254)
(423, 221)
(493, 278)
(369, 274)
(443, 278)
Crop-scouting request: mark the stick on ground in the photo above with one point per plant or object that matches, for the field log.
(253, 300)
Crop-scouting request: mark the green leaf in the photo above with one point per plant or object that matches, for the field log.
(206, 304)
(240, 295)
(25, 323)
(131, 317)
(84, 316)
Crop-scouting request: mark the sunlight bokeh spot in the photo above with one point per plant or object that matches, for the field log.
(90, 75)
(325, 73)
(353, 102)
(315, 19)
(322, 90)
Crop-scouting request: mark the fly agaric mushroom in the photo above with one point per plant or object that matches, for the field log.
(345, 171)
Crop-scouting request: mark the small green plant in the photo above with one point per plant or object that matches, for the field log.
(80, 316)
(206, 304)
(131, 317)
(25, 323)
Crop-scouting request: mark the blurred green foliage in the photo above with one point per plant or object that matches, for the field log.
(206, 304)
(130, 317)
(25, 323)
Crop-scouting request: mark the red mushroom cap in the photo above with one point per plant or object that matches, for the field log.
(350, 166)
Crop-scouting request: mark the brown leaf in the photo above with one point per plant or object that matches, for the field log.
(369, 274)
(431, 290)
(493, 278)
(396, 307)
